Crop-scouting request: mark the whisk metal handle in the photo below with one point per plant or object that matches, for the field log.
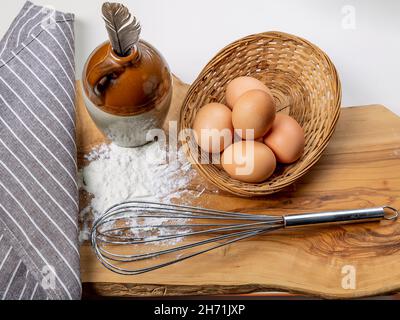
(345, 216)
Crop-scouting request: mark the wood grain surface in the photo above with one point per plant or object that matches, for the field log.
(360, 168)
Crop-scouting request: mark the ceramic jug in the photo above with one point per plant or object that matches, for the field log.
(127, 96)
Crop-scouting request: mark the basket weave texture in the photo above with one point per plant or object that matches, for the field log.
(304, 83)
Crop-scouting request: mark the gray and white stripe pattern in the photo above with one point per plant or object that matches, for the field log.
(39, 253)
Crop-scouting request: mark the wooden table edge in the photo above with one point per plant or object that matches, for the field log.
(131, 290)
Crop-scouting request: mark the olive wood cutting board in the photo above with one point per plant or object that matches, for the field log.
(360, 168)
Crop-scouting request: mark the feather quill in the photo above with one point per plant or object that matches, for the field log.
(123, 28)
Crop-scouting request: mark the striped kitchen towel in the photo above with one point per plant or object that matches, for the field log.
(39, 253)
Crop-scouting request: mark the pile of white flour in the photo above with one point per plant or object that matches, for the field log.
(149, 173)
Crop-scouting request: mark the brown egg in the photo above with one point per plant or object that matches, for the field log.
(255, 111)
(286, 139)
(249, 161)
(213, 127)
(237, 87)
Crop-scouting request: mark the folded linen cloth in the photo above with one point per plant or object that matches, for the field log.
(39, 256)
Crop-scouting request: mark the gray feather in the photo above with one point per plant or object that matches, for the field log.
(123, 28)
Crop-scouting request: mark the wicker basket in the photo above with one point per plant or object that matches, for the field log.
(305, 85)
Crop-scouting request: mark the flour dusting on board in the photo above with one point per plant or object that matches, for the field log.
(149, 173)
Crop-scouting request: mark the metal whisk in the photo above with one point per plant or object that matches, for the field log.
(137, 237)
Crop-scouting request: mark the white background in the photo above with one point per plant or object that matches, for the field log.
(190, 32)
